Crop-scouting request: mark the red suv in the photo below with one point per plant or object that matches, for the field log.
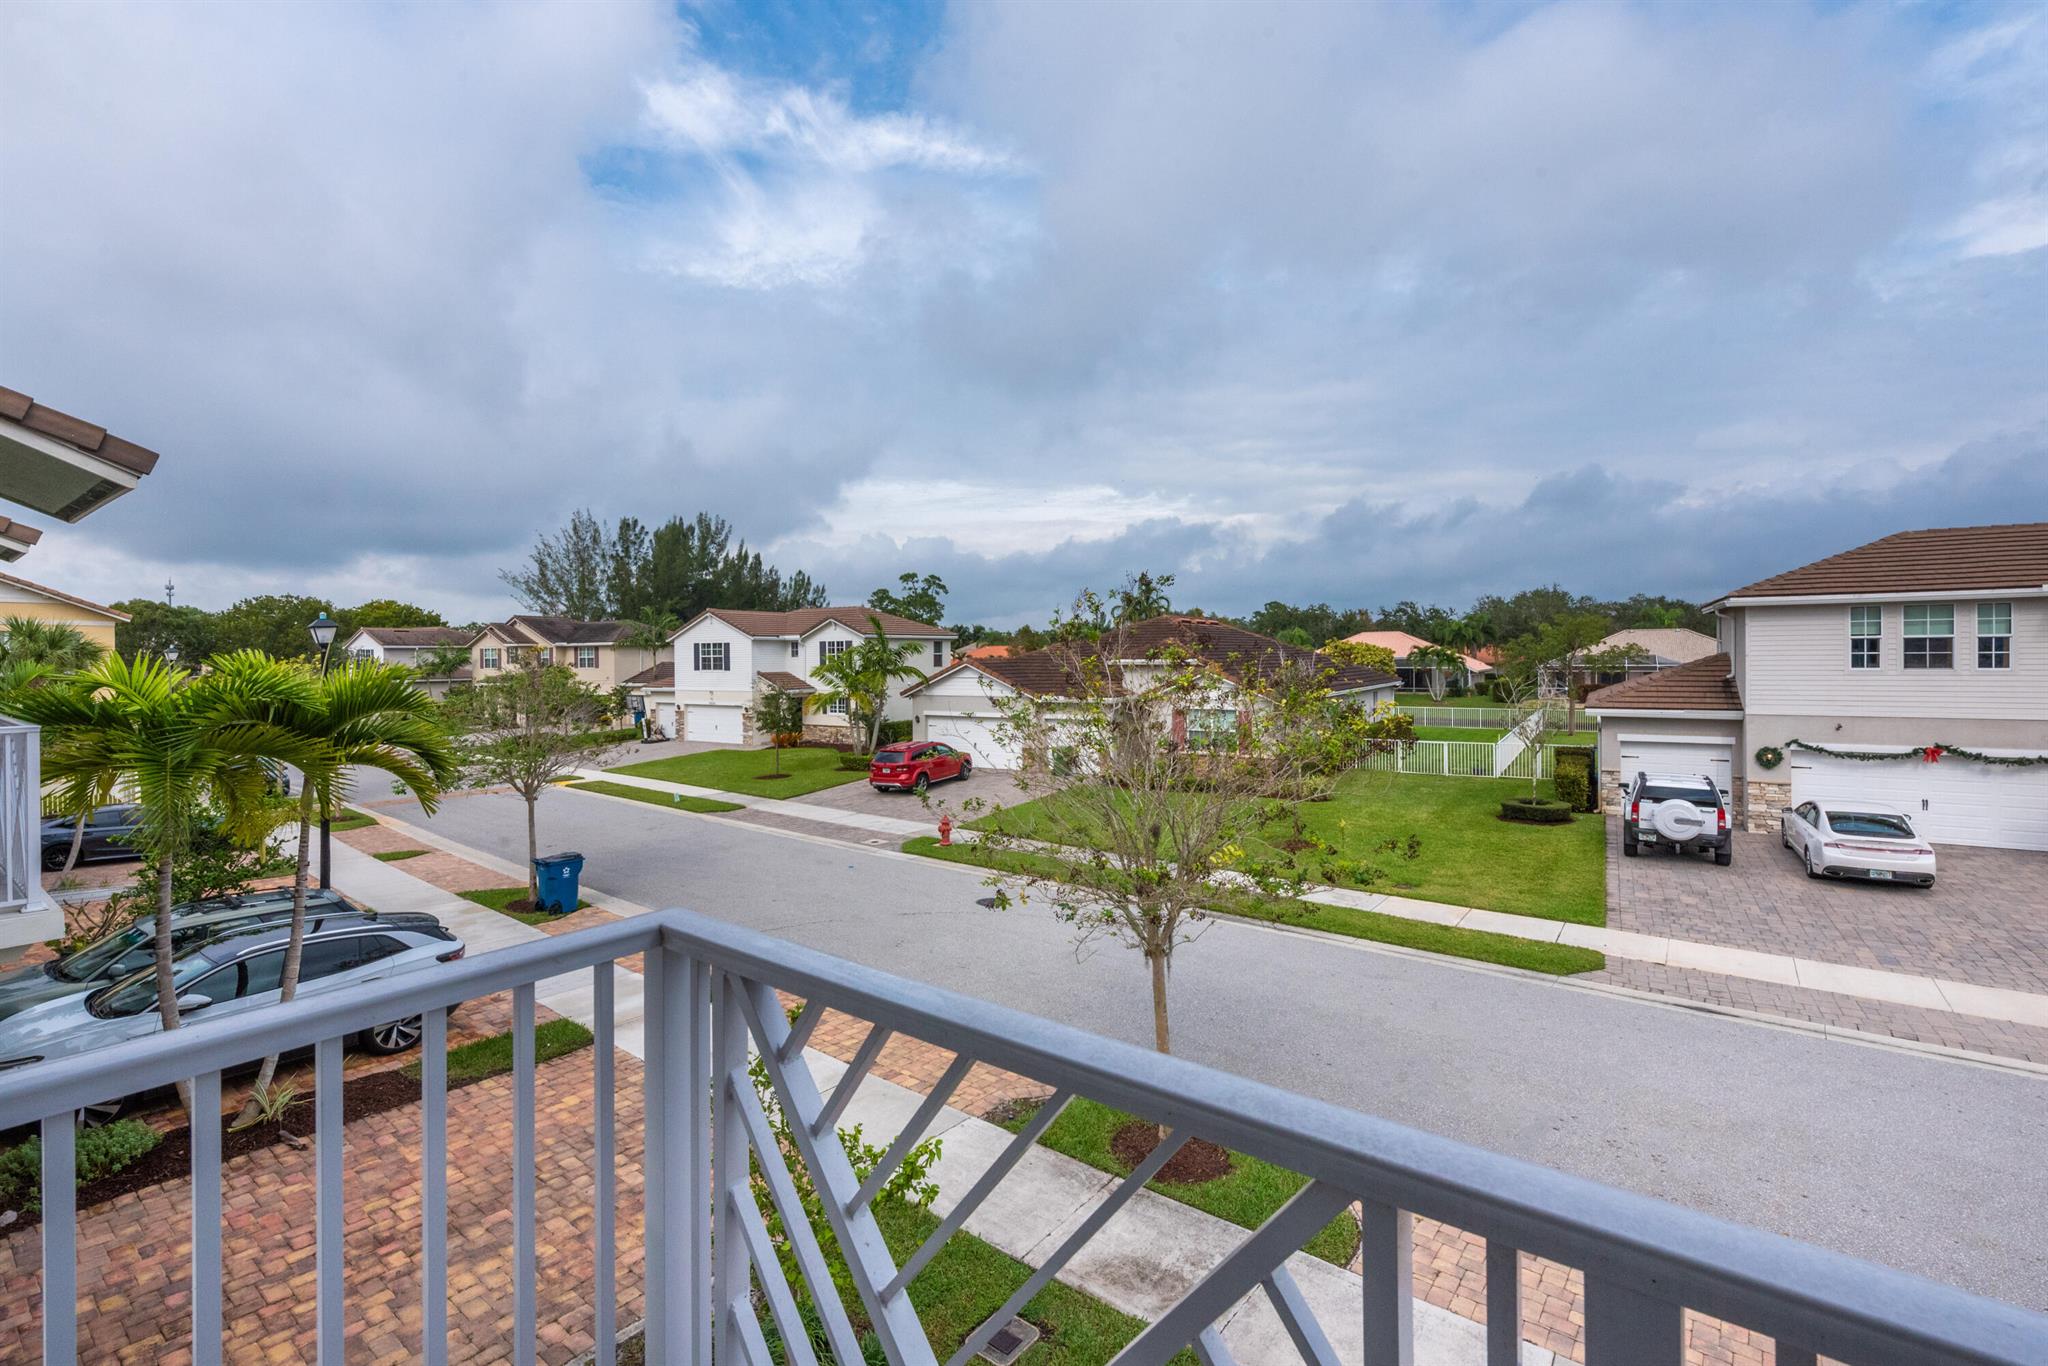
(917, 765)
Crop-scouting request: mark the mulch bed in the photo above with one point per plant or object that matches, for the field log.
(1197, 1161)
(771, 777)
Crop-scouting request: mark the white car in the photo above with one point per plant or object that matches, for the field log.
(1853, 838)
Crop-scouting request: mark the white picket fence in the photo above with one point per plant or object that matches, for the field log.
(1479, 718)
(1460, 759)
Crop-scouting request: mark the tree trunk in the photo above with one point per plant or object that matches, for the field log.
(532, 850)
(77, 840)
(294, 949)
(1161, 1039)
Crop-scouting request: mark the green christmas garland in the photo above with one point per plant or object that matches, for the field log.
(1933, 753)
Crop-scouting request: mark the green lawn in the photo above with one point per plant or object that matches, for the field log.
(674, 801)
(481, 1058)
(1422, 699)
(741, 770)
(1559, 960)
(1466, 855)
(397, 855)
(1246, 1197)
(497, 898)
(350, 819)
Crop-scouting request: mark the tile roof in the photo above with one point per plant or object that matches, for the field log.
(1944, 560)
(662, 675)
(61, 596)
(807, 619)
(570, 631)
(1678, 644)
(1232, 649)
(419, 637)
(986, 652)
(75, 432)
(1703, 685)
(784, 682)
(1403, 644)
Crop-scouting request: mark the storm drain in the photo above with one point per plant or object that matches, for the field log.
(1009, 1342)
(874, 841)
(987, 903)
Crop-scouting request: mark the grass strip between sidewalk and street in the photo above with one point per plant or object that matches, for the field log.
(1534, 955)
(499, 899)
(349, 819)
(483, 1058)
(674, 801)
(396, 855)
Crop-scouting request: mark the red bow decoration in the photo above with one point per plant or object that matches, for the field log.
(1932, 754)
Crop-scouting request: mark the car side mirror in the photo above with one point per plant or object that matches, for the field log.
(187, 1004)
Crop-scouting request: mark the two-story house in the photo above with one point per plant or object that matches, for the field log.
(596, 651)
(414, 647)
(722, 660)
(1912, 671)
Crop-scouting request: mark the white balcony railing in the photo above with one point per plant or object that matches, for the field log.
(21, 814)
(709, 994)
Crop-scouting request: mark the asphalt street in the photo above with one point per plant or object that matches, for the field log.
(1928, 1165)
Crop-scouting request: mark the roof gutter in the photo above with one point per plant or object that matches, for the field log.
(1825, 599)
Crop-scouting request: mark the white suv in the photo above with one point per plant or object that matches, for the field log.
(1680, 811)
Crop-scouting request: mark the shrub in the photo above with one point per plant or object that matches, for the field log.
(1535, 810)
(100, 1152)
(855, 762)
(895, 732)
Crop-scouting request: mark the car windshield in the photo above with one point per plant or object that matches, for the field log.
(890, 756)
(99, 959)
(1698, 796)
(138, 993)
(1874, 823)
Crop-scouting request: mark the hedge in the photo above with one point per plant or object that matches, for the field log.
(1574, 776)
(1535, 810)
(101, 1152)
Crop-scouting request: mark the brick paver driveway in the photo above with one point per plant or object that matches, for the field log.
(1985, 920)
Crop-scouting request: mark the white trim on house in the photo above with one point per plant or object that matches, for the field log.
(1829, 599)
(1622, 713)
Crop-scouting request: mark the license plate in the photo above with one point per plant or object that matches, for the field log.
(1880, 874)
(1646, 839)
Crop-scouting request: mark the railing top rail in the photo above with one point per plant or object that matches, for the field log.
(1841, 1306)
(1834, 1304)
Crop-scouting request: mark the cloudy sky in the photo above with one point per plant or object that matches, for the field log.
(1322, 303)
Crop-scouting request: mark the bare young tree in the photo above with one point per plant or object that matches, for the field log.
(1161, 776)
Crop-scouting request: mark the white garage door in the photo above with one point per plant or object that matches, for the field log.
(721, 725)
(977, 737)
(1953, 801)
(665, 718)
(1656, 754)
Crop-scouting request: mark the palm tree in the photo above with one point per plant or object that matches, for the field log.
(365, 713)
(860, 678)
(182, 743)
(58, 648)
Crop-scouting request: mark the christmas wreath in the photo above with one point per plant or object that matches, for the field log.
(1770, 756)
(1929, 754)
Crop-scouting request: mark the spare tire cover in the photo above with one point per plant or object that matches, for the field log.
(1678, 820)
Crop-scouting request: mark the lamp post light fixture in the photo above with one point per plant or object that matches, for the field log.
(323, 630)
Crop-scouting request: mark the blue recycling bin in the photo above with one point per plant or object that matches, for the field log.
(558, 876)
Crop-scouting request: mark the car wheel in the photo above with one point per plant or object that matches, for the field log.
(395, 1037)
(922, 785)
(1812, 869)
(1628, 848)
(1724, 857)
(966, 771)
(106, 1112)
(54, 856)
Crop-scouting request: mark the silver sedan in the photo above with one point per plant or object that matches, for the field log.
(1857, 839)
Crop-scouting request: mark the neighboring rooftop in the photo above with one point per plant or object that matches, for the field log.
(418, 637)
(570, 631)
(60, 464)
(1961, 559)
(785, 682)
(804, 620)
(662, 675)
(1403, 644)
(986, 652)
(16, 539)
(1703, 685)
(1674, 644)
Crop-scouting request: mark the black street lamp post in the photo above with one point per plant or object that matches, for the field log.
(323, 630)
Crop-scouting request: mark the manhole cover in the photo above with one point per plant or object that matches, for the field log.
(1009, 1342)
(987, 903)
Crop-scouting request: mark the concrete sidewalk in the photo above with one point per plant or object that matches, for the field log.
(795, 808)
(1141, 1262)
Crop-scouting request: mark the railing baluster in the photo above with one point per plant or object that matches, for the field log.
(1625, 1327)
(796, 1337)
(434, 1188)
(1210, 1351)
(731, 1166)
(525, 1316)
(800, 1032)
(1309, 1338)
(60, 1242)
(205, 1132)
(913, 1131)
(1503, 1304)
(604, 1170)
(849, 1080)
(983, 1187)
(327, 1215)
(1387, 1241)
(677, 1167)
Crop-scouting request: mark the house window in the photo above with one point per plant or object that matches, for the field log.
(829, 648)
(1930, 635)
(586, 656)
(938, 654)
(488, 657)
(1994, 635)
(836, 708)
(1212, 728)
(713, 656)
(1866, 632)
(795, 649)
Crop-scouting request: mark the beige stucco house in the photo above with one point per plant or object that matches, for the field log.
(595, 651)
(94, 621)
(1901, 671)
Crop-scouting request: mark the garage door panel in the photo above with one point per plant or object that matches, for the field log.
(977, 736)
(1677, 756)
(1950, 802)
(717, 725)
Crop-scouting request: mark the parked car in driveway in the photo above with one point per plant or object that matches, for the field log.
(1678, 811)
(227, 977)
(109, 834)
(132, 948)
(1857, 839)
(916, 766)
